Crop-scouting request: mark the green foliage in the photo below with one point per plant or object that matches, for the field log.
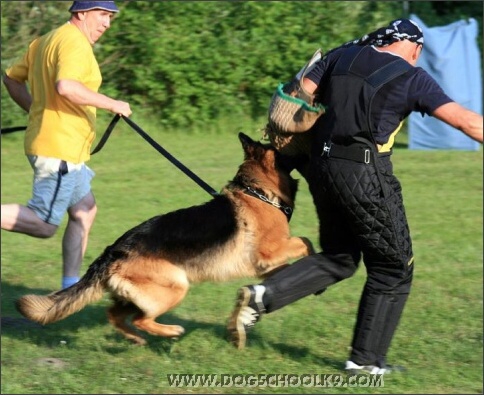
(188, 63)
(200, 61)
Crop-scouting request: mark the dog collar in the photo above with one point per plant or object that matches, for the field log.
(286, 209)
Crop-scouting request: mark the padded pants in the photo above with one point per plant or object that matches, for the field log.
(361, 213)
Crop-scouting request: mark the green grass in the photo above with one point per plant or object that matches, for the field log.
(439, 338)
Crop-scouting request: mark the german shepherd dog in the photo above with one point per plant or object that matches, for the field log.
(241, 232)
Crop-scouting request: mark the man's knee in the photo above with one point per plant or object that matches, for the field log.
(345, 264)
(46, 230)
(91, 214)
(391, 280)
(84, 211)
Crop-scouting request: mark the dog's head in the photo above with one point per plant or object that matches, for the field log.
(264, 165)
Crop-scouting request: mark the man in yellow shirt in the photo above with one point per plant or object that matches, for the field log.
(64, 77)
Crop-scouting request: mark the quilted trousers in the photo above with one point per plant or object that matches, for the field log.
(361, 214)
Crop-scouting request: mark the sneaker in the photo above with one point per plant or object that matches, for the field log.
(248, 310)
(353, 368)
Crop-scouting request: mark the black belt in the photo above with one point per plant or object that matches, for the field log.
(356, 152)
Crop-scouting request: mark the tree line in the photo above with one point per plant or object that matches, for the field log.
(193, 62)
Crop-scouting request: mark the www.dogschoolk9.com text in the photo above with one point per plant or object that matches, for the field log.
(276, 380)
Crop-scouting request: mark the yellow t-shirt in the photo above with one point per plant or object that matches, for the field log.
(57, 127)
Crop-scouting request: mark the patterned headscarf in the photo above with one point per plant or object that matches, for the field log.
(397, 30)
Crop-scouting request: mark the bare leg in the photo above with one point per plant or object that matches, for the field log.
(21, 219)
(74, 242)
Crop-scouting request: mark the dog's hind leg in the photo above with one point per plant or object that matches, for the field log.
(158, 300)
(117, 315)
(154, 287)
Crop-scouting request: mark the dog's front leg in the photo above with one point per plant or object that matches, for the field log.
(273, 258)
(296, 247)
(273, 271)
(308, 244)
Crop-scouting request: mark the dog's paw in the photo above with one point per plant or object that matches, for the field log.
(180, 330)
(271, 272)
(309, 245)
(136, 340)
(173, 331)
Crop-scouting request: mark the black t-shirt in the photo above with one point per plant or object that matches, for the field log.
(414, 90)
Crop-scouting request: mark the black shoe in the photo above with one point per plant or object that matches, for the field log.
(353, 368)
(248, 310)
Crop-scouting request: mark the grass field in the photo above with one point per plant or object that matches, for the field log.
(439, 338)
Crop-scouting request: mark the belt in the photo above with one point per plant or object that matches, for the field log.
(356, 152)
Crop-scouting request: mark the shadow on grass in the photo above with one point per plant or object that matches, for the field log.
(163, 345)
(93, 316)
(302, 354)
(14, 325)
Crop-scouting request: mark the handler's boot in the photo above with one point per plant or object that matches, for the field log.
(248, 310)
(353, 368)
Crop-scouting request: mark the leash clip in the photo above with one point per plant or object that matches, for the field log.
(326, 149)
(367, 156)
(287, 210)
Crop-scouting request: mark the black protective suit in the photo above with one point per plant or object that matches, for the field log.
(360, 209)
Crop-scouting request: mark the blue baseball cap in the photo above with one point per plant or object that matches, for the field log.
(80, 6)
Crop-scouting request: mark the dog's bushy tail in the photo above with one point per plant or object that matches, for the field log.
(58, 305)
(61, 304)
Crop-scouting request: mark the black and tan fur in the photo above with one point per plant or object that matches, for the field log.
(148, 270)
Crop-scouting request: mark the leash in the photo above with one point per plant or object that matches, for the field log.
(155, 145)
(13, 129)
(143, 134)
(106, 134)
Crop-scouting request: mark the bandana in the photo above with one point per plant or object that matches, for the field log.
(397, 30)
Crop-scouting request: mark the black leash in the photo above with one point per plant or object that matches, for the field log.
(106, 134)
(13, 129)
(143, 134)
(158, 147)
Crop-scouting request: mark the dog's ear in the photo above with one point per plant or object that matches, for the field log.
(245, 140)
(248, 145)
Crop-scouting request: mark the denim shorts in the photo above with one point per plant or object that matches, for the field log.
(57, 186)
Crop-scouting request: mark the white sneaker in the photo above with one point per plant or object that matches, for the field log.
(353, 368)
(248, 310)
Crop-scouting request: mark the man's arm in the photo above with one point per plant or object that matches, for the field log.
(309, 86)
(461, 118)
(18, 92)
(77, 93)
